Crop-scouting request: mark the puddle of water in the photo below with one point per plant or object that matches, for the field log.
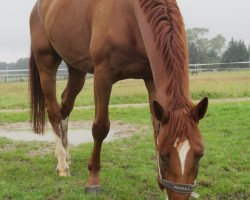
(75, 136)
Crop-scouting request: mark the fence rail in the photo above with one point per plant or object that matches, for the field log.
(22, 75)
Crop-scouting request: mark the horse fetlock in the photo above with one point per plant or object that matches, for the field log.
(94, 168)
(93, 179)
(62, 158)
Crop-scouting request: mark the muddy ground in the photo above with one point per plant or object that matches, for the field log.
(79, 132)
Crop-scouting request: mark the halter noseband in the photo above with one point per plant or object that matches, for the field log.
(176, 187)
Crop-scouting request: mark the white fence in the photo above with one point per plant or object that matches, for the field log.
(22, 75)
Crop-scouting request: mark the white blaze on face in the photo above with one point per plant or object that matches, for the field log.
(183, 149)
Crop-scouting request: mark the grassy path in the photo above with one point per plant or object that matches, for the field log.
(136, 105)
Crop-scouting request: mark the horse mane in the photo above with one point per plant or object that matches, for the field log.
(170, 38)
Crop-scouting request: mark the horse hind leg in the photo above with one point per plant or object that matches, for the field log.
(47, 66)
(75, 84)
(47, 62)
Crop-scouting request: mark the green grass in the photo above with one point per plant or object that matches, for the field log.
(213, 85)
(129, 165)
(220, 85)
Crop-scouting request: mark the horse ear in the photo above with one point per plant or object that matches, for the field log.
(159, 112)
(199, 111)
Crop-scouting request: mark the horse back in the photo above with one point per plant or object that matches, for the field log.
(84, 32)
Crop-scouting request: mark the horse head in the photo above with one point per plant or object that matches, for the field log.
(180, 148)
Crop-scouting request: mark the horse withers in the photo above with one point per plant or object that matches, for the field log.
(116, 40)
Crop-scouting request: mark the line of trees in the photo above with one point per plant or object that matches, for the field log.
(21, 63)
(201, 50)
(214, 50)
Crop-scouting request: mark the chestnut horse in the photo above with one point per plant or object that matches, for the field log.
(116, 40)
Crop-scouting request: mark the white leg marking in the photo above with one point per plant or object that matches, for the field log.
(183, 149)
(65, 125)
(60, 154)
(64, 133)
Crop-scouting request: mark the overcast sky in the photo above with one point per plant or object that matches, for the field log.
(231, 18)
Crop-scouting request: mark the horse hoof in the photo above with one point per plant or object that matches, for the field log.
(94, 189)
(63, 173)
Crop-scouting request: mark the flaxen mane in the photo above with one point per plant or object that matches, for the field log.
(170, 37)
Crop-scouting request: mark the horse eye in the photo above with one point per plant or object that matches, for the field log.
(199, 155)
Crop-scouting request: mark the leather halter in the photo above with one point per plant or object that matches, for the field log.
(176, 187)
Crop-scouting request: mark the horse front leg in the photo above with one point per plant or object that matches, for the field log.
(100, 129)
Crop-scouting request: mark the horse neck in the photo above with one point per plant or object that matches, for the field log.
(166, 50)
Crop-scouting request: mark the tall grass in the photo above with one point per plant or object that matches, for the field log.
(212, 85)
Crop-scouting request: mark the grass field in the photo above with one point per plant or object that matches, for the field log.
(213, 85)
(129, 165)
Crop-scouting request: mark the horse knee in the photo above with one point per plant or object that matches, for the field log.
(100, 129)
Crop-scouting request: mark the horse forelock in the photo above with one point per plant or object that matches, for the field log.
(178, 129)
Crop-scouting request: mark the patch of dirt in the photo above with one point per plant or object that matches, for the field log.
(42, 151)
(19, 125)
(7, 147)
(122, 130)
